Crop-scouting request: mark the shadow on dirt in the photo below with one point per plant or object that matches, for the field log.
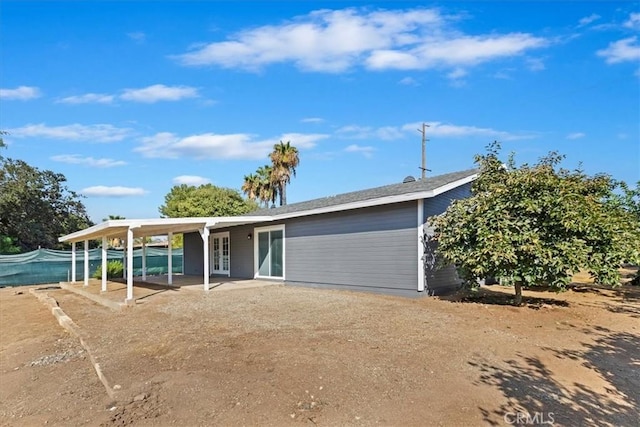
(486, 295)
(532, 391)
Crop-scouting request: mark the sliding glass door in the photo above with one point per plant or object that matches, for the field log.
(270, 252)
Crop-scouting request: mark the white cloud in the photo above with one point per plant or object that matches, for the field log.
(435, 129)
(621, 51)
(366, 151)
(409, 81)
(503, 74)
(312, 120)
(535, 64)
(338, 40)
(77, 159)
(74, 132)
(116, 191)
(442, 130)
(159, 92)
(219, 146)
(137, 36)
(588, 19)
(387, 133)
(21, 93)
(191, 180)
(633, 22)
(88, 98)
(576, 135)
(455, 51)
(456, 74)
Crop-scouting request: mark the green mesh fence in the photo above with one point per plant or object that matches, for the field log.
(49, 266)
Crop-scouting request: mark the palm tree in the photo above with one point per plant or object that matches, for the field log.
(265, 189)
(251, 186)
(285, 159)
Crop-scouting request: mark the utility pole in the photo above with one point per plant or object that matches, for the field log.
(423, 131)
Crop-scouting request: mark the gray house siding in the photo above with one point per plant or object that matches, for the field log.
(372, 249)
(192, 254)
(437, 205)
(441, 280)
(240, 252)
(367, 249)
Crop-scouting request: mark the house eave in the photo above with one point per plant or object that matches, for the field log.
(157, 226)
(380, 201)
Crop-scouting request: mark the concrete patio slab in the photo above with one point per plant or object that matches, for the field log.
(115, 295)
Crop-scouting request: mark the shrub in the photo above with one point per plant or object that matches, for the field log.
(114, 269)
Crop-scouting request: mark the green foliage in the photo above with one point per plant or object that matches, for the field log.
(258, 186)
(114, 270)
(36, 207)
(8, 246)
(629, 199)
(537, 225)
(284, 160)
(205, 200)
(177, 241)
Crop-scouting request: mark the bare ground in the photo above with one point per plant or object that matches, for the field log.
(280, 356)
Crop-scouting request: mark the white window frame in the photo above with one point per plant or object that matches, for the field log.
(256, 255)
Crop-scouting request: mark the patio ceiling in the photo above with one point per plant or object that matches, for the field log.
(157, 227)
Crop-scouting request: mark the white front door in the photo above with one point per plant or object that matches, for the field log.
(220, 258)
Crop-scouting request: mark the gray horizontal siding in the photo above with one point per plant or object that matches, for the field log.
(444, 279)
(369, 248)
(241, 251)
(437, 205)
(192, 254)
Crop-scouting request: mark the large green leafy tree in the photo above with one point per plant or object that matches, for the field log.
(205, 200)
(537, 225)
(36, 207)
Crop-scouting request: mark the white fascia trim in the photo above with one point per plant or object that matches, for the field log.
(119, 226)
(380, 200)
(236, 220)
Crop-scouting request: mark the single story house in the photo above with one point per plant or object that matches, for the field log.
(370, 240)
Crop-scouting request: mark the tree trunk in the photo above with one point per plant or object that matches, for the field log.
(518, 301)
(283, 194)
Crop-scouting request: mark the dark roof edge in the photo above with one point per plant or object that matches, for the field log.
(377, 196)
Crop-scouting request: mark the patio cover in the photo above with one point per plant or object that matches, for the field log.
(129, 229)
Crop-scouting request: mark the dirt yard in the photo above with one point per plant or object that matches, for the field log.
(279, 356)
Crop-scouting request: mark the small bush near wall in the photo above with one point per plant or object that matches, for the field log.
(114, 269)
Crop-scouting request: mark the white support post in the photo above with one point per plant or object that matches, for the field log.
(124, 260)
(86, 263)
(144, 260)
(205, 251)
(129, 265)
(421, 266)
(169, 259)
(104, 264)
(73, 262)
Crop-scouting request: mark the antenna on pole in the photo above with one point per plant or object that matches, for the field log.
(423, 131)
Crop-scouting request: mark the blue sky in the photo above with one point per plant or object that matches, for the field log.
(127, 99)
